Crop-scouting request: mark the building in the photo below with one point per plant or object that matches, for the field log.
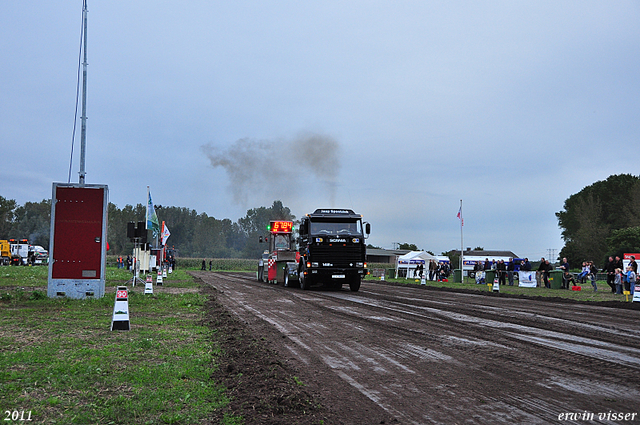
(388, 256)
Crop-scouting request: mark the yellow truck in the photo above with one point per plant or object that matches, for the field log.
(5, 253)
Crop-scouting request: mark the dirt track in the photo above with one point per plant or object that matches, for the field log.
(418, 356)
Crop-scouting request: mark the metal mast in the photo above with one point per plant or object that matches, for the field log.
(83, 131)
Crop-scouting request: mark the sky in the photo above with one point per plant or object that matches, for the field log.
(395, 109)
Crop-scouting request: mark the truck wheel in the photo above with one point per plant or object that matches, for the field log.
(304, 280)
(354, 284)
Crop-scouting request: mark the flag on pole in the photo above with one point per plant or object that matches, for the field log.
(152, 218)
(165, 234)
(460, 216)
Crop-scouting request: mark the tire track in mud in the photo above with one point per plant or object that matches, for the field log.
(429, 357)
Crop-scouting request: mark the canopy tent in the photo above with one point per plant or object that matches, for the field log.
(408, 263)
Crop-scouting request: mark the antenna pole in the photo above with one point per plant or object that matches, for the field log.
(83, 132)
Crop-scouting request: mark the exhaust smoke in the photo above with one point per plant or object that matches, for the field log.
(267, 170)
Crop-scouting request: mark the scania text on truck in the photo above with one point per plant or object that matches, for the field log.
(332, 249)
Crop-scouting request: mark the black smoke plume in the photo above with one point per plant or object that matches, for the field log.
(278, 169)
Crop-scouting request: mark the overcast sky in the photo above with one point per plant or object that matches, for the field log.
(395, 109)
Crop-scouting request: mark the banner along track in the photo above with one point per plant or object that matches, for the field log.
(431, 356)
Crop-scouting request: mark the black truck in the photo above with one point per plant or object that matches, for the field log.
(332, 249)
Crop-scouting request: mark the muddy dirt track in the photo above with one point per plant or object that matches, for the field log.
(410, 355)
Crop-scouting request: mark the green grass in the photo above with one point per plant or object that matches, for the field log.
(586, 294)
(60, 361)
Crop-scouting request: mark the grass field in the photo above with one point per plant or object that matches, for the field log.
(61, 364)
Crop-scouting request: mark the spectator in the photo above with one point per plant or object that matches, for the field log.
(479, 272)
(593, 272)
(610, 267)
(204, 265)
(210, 265)
(617, 280)
(568, 278)
(433, 268)
(540, 271)
(564, 266)
(620, 264)
(585, 271)
(631, 280)
(633, 265)
(526, 266)
(511, 267)
(487, 264)
(501, 270)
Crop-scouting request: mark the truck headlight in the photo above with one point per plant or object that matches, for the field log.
(314, 264)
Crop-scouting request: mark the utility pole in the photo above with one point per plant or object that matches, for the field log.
(552, 255)
(83, 132)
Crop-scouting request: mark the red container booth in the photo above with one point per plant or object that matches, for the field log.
(77, 248)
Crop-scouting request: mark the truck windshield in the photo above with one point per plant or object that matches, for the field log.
(282, 242)
(336, 227)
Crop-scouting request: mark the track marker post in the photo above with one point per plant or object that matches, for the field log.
(496, 285)
(120, 320)
(159, 279)
(148, 286)
(636, 293)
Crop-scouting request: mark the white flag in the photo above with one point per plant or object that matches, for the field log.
(165, 233)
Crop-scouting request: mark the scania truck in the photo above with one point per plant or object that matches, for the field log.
(332, 250)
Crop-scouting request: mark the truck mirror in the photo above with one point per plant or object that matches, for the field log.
(367, 228)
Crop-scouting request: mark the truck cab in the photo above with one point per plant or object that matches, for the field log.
(332, 249)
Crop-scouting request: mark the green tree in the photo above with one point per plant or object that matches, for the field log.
(7, 215)
(590, 216)
(454, 257)
(255, 223)
(409, 246)
(33, 222)
(624, 241)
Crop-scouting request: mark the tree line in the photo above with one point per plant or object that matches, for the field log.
(601, 220)
(193, 234)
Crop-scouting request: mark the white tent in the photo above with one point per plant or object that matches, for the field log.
(410, 261)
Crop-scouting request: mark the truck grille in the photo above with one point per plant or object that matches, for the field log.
(339, 255)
